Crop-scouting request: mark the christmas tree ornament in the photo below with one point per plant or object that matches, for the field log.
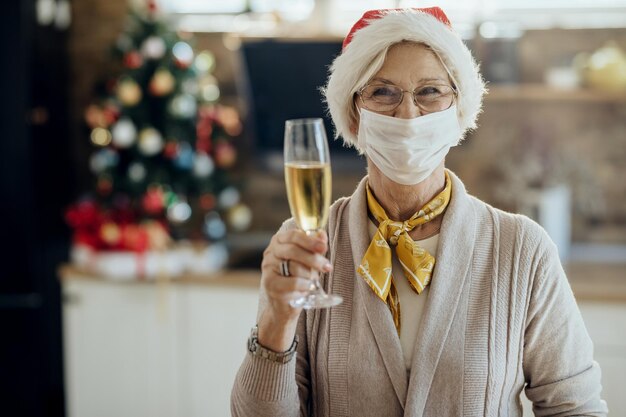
(183, 54)
(207, 201)
(153, 201)
(204, 62)
(204, 129)
(203, 165)
(158, 237)
(171, 197)
(124, 133)
(94, 117)
(214, 227)
(63, 15)
(228, 197)
(110, 234)
(46, 11)
(229, 119)
(239, 217)
(225, 155)
(102, 160)
(170, 151)
(183, 106)
(152, 7)
(190, 86)
(100, 136)
(203, 144)
(97, 163)
(82, 214)
(209, 91)
(162, 82)
(136, 172)
(104, 185)
(133, 60)
(111, 113)
(153, 47)
(150, 141)
(128, 92)
(185, 157)
(134, 238)
(179, 212)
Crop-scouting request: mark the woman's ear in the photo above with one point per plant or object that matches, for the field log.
(353, 127)
(354, 119)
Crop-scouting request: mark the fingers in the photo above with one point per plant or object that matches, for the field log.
(296, 246)
(317, 242)
(287, 288)
(303, 254)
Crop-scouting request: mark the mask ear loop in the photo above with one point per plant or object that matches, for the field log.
(360, 143)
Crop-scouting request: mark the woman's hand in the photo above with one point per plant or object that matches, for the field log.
(303, 253)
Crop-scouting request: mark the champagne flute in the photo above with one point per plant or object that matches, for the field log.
(308, 181)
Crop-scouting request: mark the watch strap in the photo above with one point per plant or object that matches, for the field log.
(258, 349)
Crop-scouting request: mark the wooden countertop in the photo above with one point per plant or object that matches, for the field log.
(589, 281)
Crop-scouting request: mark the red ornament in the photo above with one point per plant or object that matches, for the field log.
(182, 64)
(104, 186)
(111, 114)
(204, 128)
(171, 149)
(83, 215)
(87, 238)
(207, 202)
(134, 237)
(203, 145)
(133, 60)
(225, 155)
(153, 201)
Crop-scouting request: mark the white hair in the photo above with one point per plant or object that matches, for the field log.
(365, 54)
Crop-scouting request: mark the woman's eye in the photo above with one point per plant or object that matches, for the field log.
(383, 92)
(429, 91)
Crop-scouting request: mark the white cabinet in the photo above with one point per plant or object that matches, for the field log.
(172, 349)
(149, 349)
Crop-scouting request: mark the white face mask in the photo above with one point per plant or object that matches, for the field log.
(407, 151)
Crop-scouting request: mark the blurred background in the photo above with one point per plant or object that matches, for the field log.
(141, 178)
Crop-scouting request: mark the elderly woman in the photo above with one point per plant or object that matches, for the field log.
(451, 307)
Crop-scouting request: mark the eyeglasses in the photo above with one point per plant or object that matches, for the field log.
(431, 98)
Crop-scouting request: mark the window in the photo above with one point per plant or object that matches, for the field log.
(339, 15)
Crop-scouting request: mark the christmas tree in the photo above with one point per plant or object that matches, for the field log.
(163, 146)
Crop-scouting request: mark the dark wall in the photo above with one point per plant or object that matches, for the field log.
(35, 185)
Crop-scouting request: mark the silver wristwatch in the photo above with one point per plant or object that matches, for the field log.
(259, 350)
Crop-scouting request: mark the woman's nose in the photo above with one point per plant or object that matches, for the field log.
(407, 109)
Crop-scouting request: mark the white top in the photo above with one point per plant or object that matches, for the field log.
(411, 303)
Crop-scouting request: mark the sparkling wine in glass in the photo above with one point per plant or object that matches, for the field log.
(308, 181)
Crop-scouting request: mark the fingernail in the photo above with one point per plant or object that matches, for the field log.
(327, 267)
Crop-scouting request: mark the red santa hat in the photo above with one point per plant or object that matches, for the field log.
(364, 51)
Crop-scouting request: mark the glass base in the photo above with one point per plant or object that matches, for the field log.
(316, 300)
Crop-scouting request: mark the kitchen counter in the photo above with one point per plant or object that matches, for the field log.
(589, 281)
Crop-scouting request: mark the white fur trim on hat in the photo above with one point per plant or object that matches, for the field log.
(364, 56)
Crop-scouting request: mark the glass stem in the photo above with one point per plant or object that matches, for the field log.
(315, 276)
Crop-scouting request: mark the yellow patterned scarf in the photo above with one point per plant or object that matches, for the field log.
(417, 263)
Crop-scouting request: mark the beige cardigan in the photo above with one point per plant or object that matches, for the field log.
(500, 317)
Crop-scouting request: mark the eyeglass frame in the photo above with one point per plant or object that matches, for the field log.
(455, 94)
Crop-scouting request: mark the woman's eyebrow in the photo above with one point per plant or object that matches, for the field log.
(422, 80)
